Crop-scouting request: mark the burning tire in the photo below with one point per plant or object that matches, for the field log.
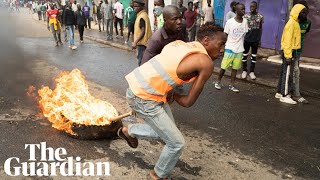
(93, 132)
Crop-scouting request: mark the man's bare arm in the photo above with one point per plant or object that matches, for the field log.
(204, 67)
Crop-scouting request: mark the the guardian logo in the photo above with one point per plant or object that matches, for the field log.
(53, 162)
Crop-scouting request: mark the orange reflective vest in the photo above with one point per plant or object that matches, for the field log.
(155, 78)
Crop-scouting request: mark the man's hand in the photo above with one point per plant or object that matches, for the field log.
(134, 45)
(170, 98)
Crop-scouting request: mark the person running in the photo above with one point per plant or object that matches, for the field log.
(100, 17)
(70, 21)
(190, 17)
(252, 40)
(171, 31)
(118, 13)
(53, 23)
(108, 18)
(236, 28)
(290, 43)
(81, 21)
(131, 17)
(86, 11)
(149, 84)
(142, 29)
(208, 13)
(305, 26)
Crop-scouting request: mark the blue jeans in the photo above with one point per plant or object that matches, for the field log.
(71, 34)
(159, 123)
(64, 29)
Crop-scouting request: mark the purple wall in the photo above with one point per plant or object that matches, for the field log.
(312, 41)
(275, 13)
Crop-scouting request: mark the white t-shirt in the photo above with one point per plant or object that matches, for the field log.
(208, 14)
(230, 15)
(119, 7)
(74, 7)
(236, 33)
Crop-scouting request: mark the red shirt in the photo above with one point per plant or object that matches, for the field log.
(52, 13)
(190, 17)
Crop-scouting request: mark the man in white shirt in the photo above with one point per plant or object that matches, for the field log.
(118, 11)
(107, 11)
(236, 29)
(74, 6)
(208, 13)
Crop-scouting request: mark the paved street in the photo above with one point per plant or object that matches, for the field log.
(249, 135)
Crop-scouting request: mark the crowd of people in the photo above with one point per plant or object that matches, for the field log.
(12, 5)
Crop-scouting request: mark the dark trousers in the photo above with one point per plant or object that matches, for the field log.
(283, 87)
(120, 21)
(254, 50)
(141, 49)
(88, 22)
(81, 29)
(56, 33)
(44, 16)
(39, 15)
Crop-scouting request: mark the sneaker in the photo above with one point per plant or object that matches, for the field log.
(234, 89)
(252, 76)
(70, 47)
(287, 100)
(244, 74)
(125, 42)
(81, 41)
(301, 100)
(74, 47)
(218, 85)
(278, 95)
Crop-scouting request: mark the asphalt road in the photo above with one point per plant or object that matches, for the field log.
(251, 122)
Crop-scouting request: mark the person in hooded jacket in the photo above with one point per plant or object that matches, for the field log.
(290, 43)
(305, 26)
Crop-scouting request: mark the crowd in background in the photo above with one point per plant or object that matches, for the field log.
(244, 31)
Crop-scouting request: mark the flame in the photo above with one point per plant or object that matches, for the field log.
(70, 102)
